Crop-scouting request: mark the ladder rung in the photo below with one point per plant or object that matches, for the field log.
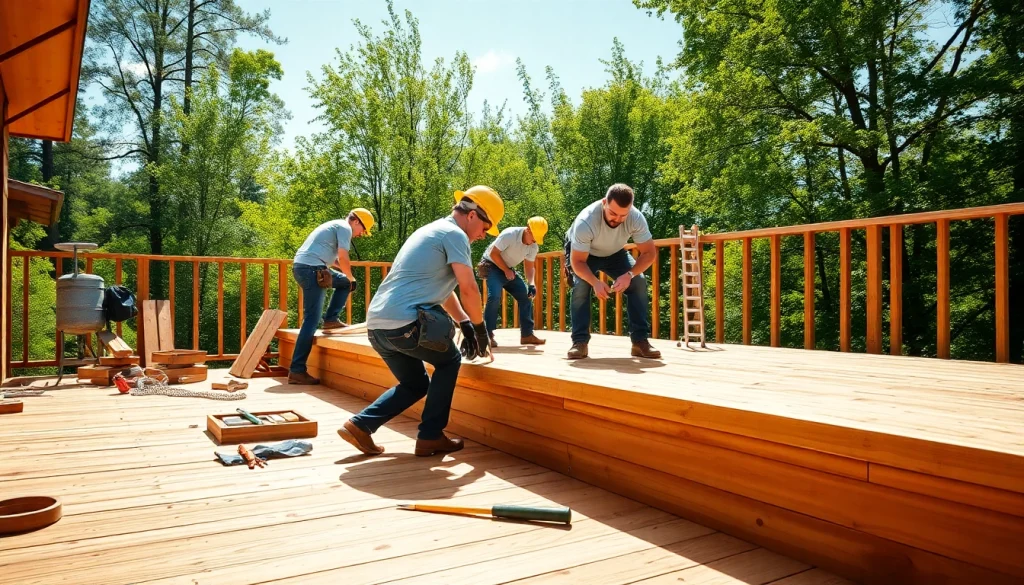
(691, 273)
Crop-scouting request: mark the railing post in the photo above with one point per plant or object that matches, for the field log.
(655, 295)
(266, 286)
(673, 292)
(170, 286)
(719, 291)
(874, 289)
(25, 262)
(243, 293)
(562, 283)
(602, 309)
(117, 280)
(896, 289)
(142, 280)
(366, 296)
(776, 296)
(1002, 289)
(942, 292)
(220, 308)
(9, 310)
(844, 289)
(195, 304)
(809, 290)
(282, 289)
(551, 305)
(748, 290)
(504, 308)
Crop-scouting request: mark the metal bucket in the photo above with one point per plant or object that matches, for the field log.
(80, 304)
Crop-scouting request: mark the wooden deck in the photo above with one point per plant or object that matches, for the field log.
(880, 468)
(144, 502)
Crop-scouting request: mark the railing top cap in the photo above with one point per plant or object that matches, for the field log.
(75, 246)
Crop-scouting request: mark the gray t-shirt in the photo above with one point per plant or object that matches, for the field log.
(421, 275)
(590, 233)
(322, 244)
(511, 246)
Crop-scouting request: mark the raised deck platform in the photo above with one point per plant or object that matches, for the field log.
(145, 502)
(881, 468)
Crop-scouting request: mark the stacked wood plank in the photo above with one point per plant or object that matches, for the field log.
(157, 333)
(883, 469)
(251, 359)
(182, 366)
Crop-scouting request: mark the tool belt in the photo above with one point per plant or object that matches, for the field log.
(484, 268)
(567, 273)
(437, 330)
(324, 278)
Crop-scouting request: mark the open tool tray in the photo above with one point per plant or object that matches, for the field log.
(248, 433)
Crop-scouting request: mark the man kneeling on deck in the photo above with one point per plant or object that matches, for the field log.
(409, 323)
(596, 243)
(325, 246)
(497, 269)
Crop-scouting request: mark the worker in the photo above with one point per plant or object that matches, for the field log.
(596, 243)
(326, 246)
(497, 269)
(409, 322)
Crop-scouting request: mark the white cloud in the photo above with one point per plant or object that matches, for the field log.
(492, 61)
(136, 68)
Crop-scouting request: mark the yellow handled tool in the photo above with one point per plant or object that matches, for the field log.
(562, 514)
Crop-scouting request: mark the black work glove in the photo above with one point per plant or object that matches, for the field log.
(483, 341)
(469, 346)
(531, 291)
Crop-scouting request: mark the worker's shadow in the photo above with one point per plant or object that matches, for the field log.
(403, 475)
(620, 365)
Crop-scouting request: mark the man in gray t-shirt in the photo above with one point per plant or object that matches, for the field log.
(409, 322)
(513, 246)
(326, 246)
(596, 243)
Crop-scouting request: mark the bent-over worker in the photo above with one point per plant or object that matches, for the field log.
(324, 247)
(596, 243)
(497, 269)
(409, 322)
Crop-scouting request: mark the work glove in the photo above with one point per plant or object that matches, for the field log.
(469, 346)
(483, 341)
(531, 291)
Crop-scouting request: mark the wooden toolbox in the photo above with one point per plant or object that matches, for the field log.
(302, 429)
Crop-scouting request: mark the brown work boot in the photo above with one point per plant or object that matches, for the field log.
(531, 340)
(302, 378)
(493, 342)
(328, 325)
(359, 439)
(644, 349)
(426, 448)
(579, 350)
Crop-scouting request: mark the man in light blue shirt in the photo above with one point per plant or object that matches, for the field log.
(326, 246)
(513, 246)
(409, 322)
(596, 243)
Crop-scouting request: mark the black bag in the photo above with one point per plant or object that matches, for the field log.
(119, 303)
(567, 272)
(437, 330)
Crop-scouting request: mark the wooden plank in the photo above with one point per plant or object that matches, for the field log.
(813, 577)
(1002, 289)
(266, 286)
(948, 489)
(809, 290)
(776, 295)
(719, 292)
(896, 290)
(942, 287)
(171, 290)
(178, 356)
(550, 284)
(602, 309)
(673, 292)
(755, 566)
(561, 297)
(115, 344)
(166, 330)
(257, 344)
(874, 289)
(282, 284)
(748, 290)
(151, 329)
(844, 289)
(655, 296)
(243, 294)
(25, 335)
(366, 295)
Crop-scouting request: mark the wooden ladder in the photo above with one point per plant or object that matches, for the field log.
(693, 286)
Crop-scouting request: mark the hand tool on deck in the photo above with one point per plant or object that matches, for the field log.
(248, 416)
(250, 459)
(561, 514)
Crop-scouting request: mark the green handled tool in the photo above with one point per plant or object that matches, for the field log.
(563, 514)
(249, 417)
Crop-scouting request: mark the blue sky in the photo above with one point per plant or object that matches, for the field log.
(569, 35)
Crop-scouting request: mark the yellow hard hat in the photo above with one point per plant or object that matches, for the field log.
(365, 217)
(538, 226)
(488, 200)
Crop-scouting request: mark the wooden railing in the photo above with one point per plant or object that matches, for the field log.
(191, 283)
(550, 307)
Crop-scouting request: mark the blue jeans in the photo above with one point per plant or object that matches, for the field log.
(496, 282)
(614, 266)
(400, 351)
(312, 306)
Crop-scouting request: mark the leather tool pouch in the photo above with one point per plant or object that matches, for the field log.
(437, 330)
(567, 273)
(324, 278)
(483, 269)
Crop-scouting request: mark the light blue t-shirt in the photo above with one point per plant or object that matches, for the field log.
(590, 233)
(322, 244)
(421, 275)
(513, 250)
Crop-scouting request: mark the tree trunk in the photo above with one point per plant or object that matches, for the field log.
(186, 104)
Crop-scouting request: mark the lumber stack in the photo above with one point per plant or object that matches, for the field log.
(182, 366)
(102, 374)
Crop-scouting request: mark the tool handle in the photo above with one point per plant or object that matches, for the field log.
(249, 417)
(563, 515)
